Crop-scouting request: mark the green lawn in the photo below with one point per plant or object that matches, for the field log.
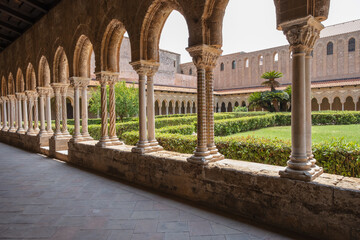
(319, 133)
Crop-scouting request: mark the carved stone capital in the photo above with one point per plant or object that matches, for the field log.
(77, 82)
(204, 56)
(302, 33)
(31, 94)
(20, 95)
(44, 91)
(4, 98)
(11, 97)
(58, 87)
(148, 68)
(105, 77)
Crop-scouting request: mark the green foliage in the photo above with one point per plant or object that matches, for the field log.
(126, 99)
(271, 82)
(241, 109)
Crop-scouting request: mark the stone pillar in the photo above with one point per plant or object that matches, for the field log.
(319, 107)
(302, 35)
(36, 113)
(64, 129)
(56, 87)
(76, 82)
(167, 108)
(48, 111)
(16, 112)
(9, 117)
(30, 96)
(1, 114)
(150, 108)
(202, 58)
(42, 93)
(104, 139)
(112, 80)
(342, 106)
(25, 113)
(4, 115)
(143, 145)
(84, 106)
(19, 98)
(12, 100)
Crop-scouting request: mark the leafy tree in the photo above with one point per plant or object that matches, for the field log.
(126, 100)
(271, 82)
(240, 109)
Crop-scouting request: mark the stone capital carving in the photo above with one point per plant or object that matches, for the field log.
(4, 98)
(11, 97)
(44, 91)
(143, 67)
(20, 95)
(204, 56)
(31, 94)
(77, 82)
(105, 77)
(302, 33)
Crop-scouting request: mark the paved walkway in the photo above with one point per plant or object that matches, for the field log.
(41, 198)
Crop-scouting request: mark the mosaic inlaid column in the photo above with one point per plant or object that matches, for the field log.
(302, 35)
(30, 96)
(57, 87)
(19, 97)
(48, 111)
(12, 111)
(201, 154)
(4, 115)
(42, 92)
(64, 130)
(212, 56)
(76, 82)
(104, 139)
(113, 79)
(143, 145)
(151, 107)
(84, 107)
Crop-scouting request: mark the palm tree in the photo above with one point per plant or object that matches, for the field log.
(271, 82)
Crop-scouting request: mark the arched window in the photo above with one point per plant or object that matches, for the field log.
(222, 67)
(233, 64)
(329, 48)
(276, 57)
(190, 71)
(351, 47)
(247, 63)
(261, 60)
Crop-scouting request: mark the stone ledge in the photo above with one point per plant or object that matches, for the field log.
(328, 207)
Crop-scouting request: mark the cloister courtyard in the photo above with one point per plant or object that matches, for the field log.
(195, 170)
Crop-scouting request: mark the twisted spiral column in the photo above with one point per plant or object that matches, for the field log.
(56, 88)
(113, 78)
(104, 139)
(42, 110)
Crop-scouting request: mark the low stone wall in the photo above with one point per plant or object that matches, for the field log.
(30, 143)
(328, 208)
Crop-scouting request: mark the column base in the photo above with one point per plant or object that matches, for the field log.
(86, 137)
(214, 152)
(142, 147)
(76, 139)
(201, 157)
(104, 142)
(303, 175)
(155, 146)
(115, 141)
(12, 129)
(5, 129)
(31, 133)
(21, 131)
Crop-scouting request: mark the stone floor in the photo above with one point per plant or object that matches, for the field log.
(42, 198)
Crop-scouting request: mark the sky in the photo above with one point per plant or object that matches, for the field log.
(244, 31)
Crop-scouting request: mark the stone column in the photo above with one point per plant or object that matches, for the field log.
(9, 117)
(151, 107)
(319, 107)
(48, 111)
(104, 139)
(64, 129)
(84, 106)
(1, 114)
(200, 55)
(4, 115)
(302, 35)
(42, 93)
(36, 113)
(56, 87)
(342, 106)
(30, 96)
(113, 79)
(143, 145)
(25, 113)
(75, 82)
(16, 112)
(167, 108)
(19, 98)
(12, 100)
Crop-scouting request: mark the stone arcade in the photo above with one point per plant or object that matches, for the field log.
(53, 57)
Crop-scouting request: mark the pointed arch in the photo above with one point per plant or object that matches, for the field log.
(152, 26)
(61, 66)
(20, 85)
(44, 73)
(110, 46)
(4, 90)
(30, 78)
(11, 85)
(82, 57)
